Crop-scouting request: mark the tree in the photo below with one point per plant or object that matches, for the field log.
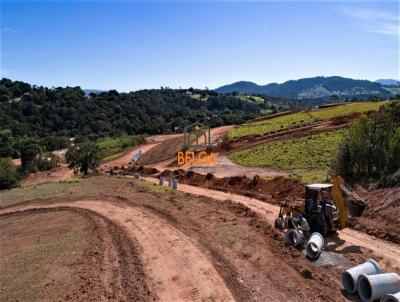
(6, 143)
(8, 174)
(83, 157)
(30, 154)
(394, 150)
(334, 98)
(370, 149)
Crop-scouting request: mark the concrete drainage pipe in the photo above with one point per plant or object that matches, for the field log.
(350, 276)
(373, 287)
(314, 246)
(294, 238)
(391, 298)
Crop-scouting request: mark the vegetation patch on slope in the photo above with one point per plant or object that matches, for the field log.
(308, 152)
(286, 121)
(113, 145)
(370, 150)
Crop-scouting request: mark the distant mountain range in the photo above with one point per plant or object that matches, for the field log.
(388, 82)
(313, 88)
(96, 91)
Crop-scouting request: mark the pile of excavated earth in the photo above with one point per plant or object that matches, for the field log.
(274, 191)
(381, 217)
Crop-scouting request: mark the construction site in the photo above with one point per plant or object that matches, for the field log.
(146, 227)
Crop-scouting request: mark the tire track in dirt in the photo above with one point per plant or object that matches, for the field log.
(110, 268)
(347, 239)
(179, 269)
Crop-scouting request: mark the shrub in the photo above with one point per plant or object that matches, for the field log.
(8, 174)
(83, 157)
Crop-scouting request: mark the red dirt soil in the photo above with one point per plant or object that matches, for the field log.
(256, 267)
(274, 191)
(109, 268)
(381, 217)
(57, 174)
(349, 242)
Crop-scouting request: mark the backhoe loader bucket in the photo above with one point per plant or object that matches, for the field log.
(356, 208)
(356, 205)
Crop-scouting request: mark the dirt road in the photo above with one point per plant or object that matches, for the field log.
(126, 158)
(347, 239)
(179, 269)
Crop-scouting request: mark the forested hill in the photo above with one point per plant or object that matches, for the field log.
(60, 113)
(313, 88)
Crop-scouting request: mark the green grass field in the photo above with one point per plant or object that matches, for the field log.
(115, 145)
(313, 152)
(284, 122)
(250, 98)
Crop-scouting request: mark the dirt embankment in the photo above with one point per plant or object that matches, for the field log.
(274, 191)
(60, 173)
(381, 217)
(166, 150)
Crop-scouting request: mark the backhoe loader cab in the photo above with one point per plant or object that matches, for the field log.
(325, 208)
(320, 209)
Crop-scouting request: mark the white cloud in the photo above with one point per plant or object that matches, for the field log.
(376, 21)
(10, 30)
(386, 29)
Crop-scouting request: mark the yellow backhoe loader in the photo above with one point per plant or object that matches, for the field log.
(326, 208)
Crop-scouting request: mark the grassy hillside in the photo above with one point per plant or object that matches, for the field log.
(251, 98)
(115, 145)
(283, 122)
(306, 157)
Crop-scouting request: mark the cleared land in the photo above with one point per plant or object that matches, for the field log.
(261, 127)
(242, 249)
(50, 245)
(65, 254)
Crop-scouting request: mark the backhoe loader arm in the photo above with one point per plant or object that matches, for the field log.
(347, 201)
(340, 202)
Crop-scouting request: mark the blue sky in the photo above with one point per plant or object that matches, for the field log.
(130, 45)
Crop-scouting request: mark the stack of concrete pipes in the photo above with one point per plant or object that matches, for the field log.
(314, 245)
(371, 284)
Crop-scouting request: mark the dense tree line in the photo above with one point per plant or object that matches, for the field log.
(53, 115)
(371, 148)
